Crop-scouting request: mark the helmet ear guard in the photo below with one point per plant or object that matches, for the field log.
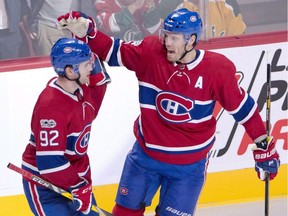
(69, 52)
(183, 21)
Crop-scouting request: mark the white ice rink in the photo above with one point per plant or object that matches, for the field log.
(277, 207)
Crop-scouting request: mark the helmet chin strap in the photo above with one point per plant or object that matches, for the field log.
(185, 53)
(77, 80)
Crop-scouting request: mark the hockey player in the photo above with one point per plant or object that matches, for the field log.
(61, 124)
(178, 88)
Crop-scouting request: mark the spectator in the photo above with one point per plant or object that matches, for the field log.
(42, 27)
(128, 19)
(224, 17)
(12, 12)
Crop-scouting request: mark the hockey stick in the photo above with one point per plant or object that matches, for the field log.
(36, 179)
(268, 112)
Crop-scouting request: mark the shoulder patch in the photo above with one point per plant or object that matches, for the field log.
(47, 123)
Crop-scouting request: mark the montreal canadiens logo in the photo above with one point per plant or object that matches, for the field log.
(81, 144)
(174, 108)
(67, 50)
(123, 190)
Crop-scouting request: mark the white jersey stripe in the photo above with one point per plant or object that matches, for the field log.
(119, 58)
(240, 105)
(110, 51)
(65, 166)
(249, 114)
(45, 153)
(30, 166)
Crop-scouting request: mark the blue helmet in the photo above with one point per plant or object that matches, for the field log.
(69, 51)
(185, 22)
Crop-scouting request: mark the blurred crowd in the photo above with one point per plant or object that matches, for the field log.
(27, 27)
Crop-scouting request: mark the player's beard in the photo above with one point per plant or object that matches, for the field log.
(184, 53)
(173, 56)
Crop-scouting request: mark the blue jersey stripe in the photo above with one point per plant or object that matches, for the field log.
(244, 110)
(55, 162)
(113, 60)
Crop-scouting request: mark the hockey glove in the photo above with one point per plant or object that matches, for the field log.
(79, 24)
(99, 75)
(266, 158)
(82, 198)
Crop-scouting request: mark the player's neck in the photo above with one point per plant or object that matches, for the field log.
(67, 85)
(189, 57)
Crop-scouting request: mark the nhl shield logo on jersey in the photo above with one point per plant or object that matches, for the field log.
(81, 144)
(174, 108)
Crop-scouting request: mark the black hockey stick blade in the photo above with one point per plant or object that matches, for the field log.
(36, 179)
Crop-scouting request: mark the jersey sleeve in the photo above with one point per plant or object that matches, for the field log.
(238, 102)
(97, 94)
(133, 55)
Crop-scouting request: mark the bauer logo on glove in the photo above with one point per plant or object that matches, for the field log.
(265, 155)
(266, 158)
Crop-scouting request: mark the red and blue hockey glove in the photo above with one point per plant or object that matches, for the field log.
(82, 198)
(99, 75)
(266, 158)
(79, 24)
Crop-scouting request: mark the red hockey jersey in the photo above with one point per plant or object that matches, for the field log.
(176, 124)
(61, 124)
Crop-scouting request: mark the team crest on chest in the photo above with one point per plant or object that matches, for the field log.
(173, 107)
